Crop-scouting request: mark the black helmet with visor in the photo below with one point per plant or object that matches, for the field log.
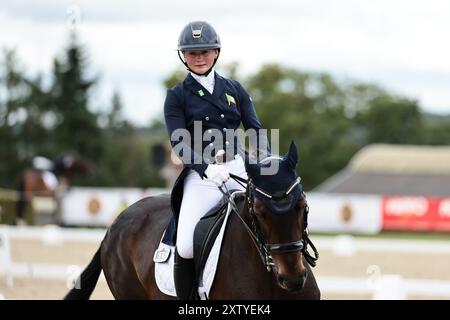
(198, 35)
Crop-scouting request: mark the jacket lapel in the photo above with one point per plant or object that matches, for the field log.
(196, 88)
(219, 88)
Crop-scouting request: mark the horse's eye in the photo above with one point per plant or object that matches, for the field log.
(259, 209)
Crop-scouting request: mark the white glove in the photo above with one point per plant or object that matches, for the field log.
(217, 173)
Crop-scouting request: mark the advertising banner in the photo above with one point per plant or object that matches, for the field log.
(416, 213)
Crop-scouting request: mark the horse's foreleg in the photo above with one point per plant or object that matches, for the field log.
(22, 202)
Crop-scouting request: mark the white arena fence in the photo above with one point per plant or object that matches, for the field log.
(329, 213)
(99, 206)
(336, 213)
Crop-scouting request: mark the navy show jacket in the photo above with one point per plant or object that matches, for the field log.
(223, 110)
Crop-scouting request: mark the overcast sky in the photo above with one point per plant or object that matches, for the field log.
(402, 45)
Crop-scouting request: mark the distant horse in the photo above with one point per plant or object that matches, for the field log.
(263, 255)
(47, 177)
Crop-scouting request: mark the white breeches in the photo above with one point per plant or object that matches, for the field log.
(199, 196)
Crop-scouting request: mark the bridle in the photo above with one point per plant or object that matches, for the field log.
(265, 249)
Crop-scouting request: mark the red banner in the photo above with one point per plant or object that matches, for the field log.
(416, 213)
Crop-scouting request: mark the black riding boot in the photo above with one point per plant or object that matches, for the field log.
(184, 277)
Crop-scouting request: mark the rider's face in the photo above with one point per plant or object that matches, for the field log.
(200, 61)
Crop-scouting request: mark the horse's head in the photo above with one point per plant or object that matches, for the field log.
(84, 166)
(73, 164)
(278, 211)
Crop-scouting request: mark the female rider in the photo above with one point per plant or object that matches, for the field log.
(202, 114)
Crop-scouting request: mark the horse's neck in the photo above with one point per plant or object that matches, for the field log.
(237, 233)
(241, 272)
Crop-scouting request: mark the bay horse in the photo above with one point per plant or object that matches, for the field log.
(49, 180)
(263, 256)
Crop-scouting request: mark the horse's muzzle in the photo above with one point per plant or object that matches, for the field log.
(293, 284)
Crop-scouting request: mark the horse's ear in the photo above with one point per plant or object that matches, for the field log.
(292, 155)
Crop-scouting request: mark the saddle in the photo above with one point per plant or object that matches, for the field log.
(207, 231)
(205, 234)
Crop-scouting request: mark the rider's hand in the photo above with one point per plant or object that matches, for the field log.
(217, 173)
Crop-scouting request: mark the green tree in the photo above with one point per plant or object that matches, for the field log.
(115, 121)
(22, 118)
(13, 88)
(436, 130)
(76, 126)
(174, 78)
(308, 108)
(393, 119)
(125, 161)
(119, 165)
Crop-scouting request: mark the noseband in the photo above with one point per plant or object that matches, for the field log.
(267, 249)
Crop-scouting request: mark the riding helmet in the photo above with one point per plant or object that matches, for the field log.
(198, 35)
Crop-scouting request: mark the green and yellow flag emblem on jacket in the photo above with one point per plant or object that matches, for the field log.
(230, 99)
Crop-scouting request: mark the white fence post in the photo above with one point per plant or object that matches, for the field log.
(5, 257)
(390, 287)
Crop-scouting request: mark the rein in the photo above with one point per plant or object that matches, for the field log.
(265, 250)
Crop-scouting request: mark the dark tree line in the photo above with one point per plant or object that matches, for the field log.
(52, 117)
(328, 120)
(331, 121)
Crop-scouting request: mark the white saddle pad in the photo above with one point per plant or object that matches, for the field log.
(164, 260)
